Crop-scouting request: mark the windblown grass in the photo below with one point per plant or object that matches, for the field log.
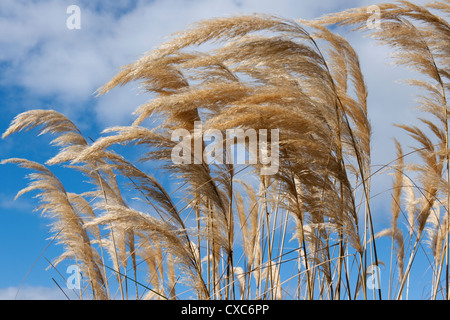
(230, 233)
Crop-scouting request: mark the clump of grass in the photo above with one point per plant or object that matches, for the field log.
(225, 233)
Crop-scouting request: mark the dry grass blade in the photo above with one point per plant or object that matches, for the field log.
(68, 225)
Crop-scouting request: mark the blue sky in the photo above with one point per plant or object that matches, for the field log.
(45, 65)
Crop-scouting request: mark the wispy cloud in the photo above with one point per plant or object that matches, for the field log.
(19, 205)
(35, 293)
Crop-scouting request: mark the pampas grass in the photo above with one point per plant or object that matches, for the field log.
(225, 233)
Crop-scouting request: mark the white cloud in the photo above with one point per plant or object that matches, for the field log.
(116, 107)
(35, 293)
(47, 59)
(21, 205)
